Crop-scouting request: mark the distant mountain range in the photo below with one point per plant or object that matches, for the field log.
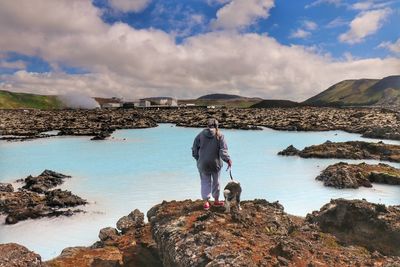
(362, 92)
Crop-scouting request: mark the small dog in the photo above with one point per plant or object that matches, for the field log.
(232, 191)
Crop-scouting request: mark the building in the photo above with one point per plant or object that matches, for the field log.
(137, 103)
(111, 105)
(163, 101)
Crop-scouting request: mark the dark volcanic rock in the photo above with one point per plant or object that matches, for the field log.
(134, 221)
(63, 199)
(359, 222)
(46, 180)
(102, 135)
(14, 255)
(132, 248)
(262, 234)
(108, 233)
(372, 121)
(353, 150)
(344, 175)
(289, 151)
(6, 187)
(30, 203)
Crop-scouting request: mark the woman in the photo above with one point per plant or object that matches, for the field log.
(210, 149)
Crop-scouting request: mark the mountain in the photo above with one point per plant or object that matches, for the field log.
(363, 92)
(220, 97)
(271, 103)
(11, 100)
(226, 100)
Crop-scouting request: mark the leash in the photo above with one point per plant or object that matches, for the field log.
(230, 172)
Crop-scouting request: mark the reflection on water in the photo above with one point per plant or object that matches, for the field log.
(140, 168)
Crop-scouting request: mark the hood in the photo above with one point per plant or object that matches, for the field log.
(209, 133)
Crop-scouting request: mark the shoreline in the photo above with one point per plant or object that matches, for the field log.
(369, 122)
(263, 234)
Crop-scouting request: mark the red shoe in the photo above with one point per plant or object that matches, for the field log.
(219, 203)
(206, 206)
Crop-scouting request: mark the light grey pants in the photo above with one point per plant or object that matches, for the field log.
(209, 185)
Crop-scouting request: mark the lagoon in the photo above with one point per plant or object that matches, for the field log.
(141, 167)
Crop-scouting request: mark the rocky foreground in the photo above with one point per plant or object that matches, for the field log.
(28, 124)
(35, 199)
(344, 175)
(342, 233)
(347, 150)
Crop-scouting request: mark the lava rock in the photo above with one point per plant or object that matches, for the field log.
(344, 175)
(6, 187)
(289, 151)
(358, 222)
(14, 255)
(108, 233)
(135, 220)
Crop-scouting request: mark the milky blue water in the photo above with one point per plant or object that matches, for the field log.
(140, 168)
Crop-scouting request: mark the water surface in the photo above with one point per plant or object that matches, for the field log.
(140, 168)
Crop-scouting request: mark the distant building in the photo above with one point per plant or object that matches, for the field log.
(144, 103)
(137, 103)
(111, 105)
(163, 101)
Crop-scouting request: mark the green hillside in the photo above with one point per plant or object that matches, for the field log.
(11, 100)
(364, 92)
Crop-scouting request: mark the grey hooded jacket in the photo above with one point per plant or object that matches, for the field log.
(210, 151)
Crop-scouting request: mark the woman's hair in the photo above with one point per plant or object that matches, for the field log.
(213, 123)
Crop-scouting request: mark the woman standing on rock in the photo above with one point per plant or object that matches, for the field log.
(210, 149)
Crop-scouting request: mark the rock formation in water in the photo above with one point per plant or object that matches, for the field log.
(344, 175)
(36, 200)
(181, 233)
(289, 151)
(28, 124)
(43, 182)
(349, 150)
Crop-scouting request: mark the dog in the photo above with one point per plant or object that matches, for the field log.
(232, 191)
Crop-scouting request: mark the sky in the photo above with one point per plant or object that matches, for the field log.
(274, 49)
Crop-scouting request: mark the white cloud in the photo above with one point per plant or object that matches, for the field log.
(127, 62)
(310, 25)
(19, 64)
(337, 22)
(362, 5)
(129, 5)
(393, 47)
(300, 33)
(321, 2)
(371, 4)
(365, 24)
(238, 14)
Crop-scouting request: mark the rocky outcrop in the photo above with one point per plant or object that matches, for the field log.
(6, 187)
(14, 255)
(351, 150)
(262, 234)
(181, 233)
(358, 222)
(25, 125)
(134, 247)
(344, 175)
(35, 200)
(43, 182)
(289, 151)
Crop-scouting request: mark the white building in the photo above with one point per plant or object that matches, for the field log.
(164, 101)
